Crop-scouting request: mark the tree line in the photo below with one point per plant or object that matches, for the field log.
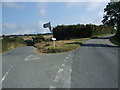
(61, 32)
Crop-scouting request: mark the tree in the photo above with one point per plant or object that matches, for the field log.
(112, 17)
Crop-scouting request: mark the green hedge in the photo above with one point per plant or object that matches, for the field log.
(80, 31)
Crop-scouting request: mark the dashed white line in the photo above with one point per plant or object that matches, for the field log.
(57, 78)
(51, 87)
(66, 57)
(27, 58)
(60, 70)
(6, 74)
(70, 70)
(62, 65)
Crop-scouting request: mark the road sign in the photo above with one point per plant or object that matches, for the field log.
(53, 39)
(47, 25)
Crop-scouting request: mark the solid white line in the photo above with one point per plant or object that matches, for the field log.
(6, 74)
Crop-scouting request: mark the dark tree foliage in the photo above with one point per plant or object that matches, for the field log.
(79, 31)
(38, 39)
(112, 16)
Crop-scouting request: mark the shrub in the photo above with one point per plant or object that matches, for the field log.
(38, 38)
(52, 50)
(29, 43)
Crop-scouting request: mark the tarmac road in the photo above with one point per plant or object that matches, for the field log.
(93, 65)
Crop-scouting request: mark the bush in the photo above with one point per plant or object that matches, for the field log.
(52, 50)
(80, 31)
(38, 38)
(29, 43)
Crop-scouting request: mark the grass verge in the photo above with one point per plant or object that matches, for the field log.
(10, 46)
(8, 43)
(60, 46)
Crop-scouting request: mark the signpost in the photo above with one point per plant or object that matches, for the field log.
(48, 25)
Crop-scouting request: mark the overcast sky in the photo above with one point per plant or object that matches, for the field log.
(29, 17)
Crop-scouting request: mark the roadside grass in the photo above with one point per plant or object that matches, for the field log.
(47, 46)
(60, 46)
(102, 35)
(0, 45)
(9, 46)
(8, 43)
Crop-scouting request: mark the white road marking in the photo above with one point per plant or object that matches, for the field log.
(57, 78)
(62, 65)
(59, 73)
(60, 70)
(66, 57)
(52, 87)
(27, 58)
(6, 73)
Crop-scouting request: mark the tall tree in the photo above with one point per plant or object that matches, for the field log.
(112, 16)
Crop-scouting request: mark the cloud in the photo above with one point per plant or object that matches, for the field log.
(13, 28)
(56, 0)
(98, 18)
(69, 5)
(10, 26)
(13, 5)
(93, 6)
(43, 12)
(42, 8)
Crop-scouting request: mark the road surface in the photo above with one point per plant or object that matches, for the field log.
(93, 65)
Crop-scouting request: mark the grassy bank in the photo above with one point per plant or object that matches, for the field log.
(8, 43)
(102, 35)
(10, 46)
(60, 46)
